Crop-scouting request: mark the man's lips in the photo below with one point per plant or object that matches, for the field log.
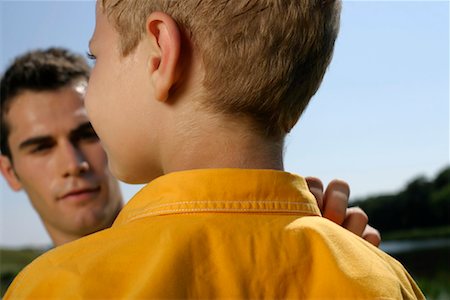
(80, 193)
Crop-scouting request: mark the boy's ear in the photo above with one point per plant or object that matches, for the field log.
(164, 62)
(9, 174)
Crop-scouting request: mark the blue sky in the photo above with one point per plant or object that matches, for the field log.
(380, 118)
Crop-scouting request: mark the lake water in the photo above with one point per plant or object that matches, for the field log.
(428, 261)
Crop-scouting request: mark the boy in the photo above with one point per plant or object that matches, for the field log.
(42, 84)
(196, 97)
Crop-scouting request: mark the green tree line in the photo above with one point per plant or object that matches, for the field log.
(422, 203)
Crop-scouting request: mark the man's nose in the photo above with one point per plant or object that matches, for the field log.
(73, 161)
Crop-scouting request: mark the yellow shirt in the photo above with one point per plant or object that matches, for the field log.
(218, 233)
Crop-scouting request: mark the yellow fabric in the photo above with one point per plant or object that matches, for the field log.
(218, 233)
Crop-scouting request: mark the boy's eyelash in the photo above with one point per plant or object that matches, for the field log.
(90, 55)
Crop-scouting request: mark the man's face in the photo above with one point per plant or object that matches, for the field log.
(119, 101)
(58, 160)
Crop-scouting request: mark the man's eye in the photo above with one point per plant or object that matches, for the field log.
(41, 148)
(89, 135)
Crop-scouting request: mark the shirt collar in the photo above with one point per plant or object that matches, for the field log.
(223, 191)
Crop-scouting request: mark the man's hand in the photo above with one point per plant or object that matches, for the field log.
(333, 205)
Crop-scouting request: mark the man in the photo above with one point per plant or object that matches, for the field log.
(50, 150)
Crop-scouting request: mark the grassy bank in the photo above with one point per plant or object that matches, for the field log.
(418, 234)
(12, 261)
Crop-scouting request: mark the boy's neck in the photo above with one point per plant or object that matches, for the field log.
(215, 143)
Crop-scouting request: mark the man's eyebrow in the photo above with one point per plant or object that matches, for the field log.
(35, 141)
(87, 126)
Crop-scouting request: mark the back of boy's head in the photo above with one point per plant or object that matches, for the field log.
(263, 59)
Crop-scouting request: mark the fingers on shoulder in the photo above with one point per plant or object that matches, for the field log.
(335, 201)
(356, 220)
(315, 186)
(372, 235)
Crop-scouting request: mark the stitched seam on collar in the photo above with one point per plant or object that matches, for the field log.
(228, 201)
(245, 206)
(218, 210)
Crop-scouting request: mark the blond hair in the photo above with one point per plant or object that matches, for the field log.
(262, 58)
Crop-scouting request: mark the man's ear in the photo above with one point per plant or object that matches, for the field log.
(9, 174)
(164, 62)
